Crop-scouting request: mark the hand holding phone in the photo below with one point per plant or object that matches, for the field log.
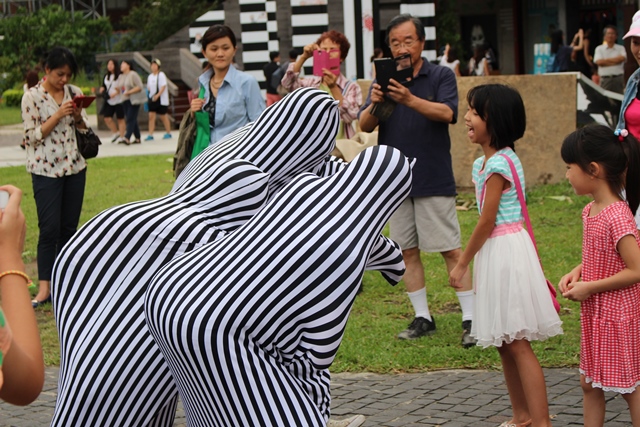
(399, 68)
(329, 60)
(82, 101)
(4, 199)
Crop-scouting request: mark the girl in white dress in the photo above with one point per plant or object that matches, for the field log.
(513, 303)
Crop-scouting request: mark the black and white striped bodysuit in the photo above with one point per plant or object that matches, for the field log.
(249, 324)
(111, 371)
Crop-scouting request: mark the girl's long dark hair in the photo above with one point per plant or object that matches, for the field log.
(116, 68)
(619, 157)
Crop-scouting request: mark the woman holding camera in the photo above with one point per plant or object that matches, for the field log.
(58, 171)
(338, 86)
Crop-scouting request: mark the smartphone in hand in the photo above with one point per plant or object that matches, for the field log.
(329, 60)
(82, 101)
(4, 199)
(399, 68)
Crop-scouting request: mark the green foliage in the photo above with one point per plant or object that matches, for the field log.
(85, 90)
(152, 21)
(9, 115)
(29, 36)
(448, 28)
(12, 97)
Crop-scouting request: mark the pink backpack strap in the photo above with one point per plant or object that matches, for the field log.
(523, 203)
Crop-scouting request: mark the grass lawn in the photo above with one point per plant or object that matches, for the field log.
(381, 311)
(13, 115)
(9, 115)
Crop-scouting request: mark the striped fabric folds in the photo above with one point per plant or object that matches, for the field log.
(111, 372)
(250, 323)
(292, 136)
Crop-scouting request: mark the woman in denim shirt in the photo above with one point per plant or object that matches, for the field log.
(232, 98)
(630, 111)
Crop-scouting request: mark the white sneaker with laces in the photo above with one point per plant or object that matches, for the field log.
(354, 421)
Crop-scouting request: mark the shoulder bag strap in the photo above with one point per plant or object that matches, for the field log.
(523, 203)
(344, 91)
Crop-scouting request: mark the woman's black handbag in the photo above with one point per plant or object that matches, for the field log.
(88, 143)
(154, 105)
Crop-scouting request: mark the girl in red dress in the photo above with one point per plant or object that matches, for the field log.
(604, 164)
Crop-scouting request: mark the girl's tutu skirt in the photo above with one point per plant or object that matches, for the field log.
(512, 298)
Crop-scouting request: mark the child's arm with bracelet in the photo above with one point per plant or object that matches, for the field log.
(22, 366)
(493, 192)
(630, 253)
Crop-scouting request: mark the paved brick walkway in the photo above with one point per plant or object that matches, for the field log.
(444, 398)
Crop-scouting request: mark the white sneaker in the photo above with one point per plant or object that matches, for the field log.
(115, 137)
(354, 421)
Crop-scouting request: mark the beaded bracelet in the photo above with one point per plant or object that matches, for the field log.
(17, 273)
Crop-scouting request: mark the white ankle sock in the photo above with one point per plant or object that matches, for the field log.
(420, 304)
(467, 300)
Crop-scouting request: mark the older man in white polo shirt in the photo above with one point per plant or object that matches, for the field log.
(610, 58)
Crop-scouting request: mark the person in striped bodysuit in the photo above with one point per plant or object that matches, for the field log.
(250, 324)
(111, 372)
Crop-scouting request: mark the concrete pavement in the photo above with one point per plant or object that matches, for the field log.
(12, 155)
(444, 398)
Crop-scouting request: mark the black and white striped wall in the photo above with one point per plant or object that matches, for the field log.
(259, 32)
(200, 26)
(257, 29)
(309, 19)
(426, 11)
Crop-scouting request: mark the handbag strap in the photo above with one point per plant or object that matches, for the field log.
(110, 81)
(157, 83)
(521, 199)
(346, 86)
